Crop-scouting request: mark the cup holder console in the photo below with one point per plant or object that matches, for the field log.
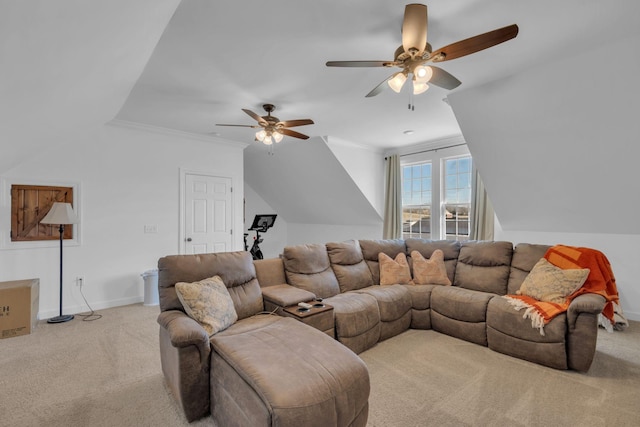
(318, 305)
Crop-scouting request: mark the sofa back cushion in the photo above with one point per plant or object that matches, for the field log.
(234, 268)
(270, 272)
(450, 249)
(484, 266)
(349, 266)
(525, 256)
(371, 249)
(307, 267)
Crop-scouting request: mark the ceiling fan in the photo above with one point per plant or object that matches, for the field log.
(415, 52)
(272, 128)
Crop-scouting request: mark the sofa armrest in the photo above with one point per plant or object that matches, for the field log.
(585, 303)
(286, 295)
(184, 331)
(582, 328)
(185, 358)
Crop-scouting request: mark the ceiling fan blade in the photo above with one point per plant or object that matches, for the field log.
(414, 27)
(378, 89)
(293, 133)
(255, 117)
(475, 44)
(443, 78)
(241, 126)
(360, 63)
(293, 123)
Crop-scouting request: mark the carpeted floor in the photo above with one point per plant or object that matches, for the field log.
(107, 373)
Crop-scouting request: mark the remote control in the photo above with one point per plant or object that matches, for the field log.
(304, 305)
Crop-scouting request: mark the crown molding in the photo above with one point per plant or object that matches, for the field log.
(332, 140)
(435, 144)
(174, 133)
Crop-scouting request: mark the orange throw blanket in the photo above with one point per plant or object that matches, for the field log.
(600, 281)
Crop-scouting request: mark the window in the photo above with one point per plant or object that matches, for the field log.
(457, 197)
(416, 200)
(436, 195)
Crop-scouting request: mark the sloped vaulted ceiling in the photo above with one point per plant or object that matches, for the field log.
(558, 146)
(68, 66)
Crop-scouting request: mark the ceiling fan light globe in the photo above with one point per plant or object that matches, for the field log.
(422, 73)
(419, 87)
(260, 135)
(397, 81)
(267, 140)
(277, 136)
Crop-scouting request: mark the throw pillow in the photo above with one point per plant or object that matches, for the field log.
(430, 271)
(394, 271)
(209, 303)
(549, 283)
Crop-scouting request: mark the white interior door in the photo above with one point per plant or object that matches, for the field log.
(208, 221)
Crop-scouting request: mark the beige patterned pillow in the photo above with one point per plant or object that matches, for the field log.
(430, 271)
(208, 302)
(546, 282)
(394, 271)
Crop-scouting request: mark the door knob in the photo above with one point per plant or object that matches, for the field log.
(188, 239)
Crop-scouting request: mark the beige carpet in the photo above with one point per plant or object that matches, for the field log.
(107, 373)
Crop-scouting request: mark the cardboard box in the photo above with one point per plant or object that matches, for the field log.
(19, 303)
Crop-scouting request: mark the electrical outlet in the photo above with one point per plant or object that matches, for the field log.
(79, 281)
(151, 228)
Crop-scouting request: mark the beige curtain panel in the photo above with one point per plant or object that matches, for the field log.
(482, 214)
(392, 227)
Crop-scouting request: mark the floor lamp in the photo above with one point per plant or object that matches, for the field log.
(61, 214)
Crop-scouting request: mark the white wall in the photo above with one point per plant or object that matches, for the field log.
(324, 233)
(128, 177)
(276, 238)
(365, 165)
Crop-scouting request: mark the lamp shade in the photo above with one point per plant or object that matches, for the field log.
(60, 213)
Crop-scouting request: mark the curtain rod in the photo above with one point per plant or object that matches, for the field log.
(431, 149)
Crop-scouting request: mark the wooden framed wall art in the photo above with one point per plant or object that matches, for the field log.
(29, 204)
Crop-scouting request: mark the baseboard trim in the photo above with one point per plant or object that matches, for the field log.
(46, 314)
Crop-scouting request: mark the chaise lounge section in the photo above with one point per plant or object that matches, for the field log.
(253, 371)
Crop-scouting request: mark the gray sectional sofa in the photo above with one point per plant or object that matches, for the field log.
(251, 373)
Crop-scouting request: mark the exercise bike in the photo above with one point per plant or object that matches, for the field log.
(261, 223)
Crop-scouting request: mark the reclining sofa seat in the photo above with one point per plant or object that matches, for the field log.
(357, 317)
(354, 275)
(569, 339)
(237, 374)
(482, 272)
(420, 294)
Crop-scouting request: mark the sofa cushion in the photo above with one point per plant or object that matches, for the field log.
(208, 302)
(393, 301)
(394, 271)
(308, 267)
(286, 373)
(430, 271)
(349, 266)
(509, 333)
(484, 266)
(460, 304)
(372, 248)
(420, 295)
(354, 313)
(450, 249)
(525, 256)
(546, 282)
(236, 270)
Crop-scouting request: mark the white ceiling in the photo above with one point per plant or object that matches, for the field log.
(215, 58)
